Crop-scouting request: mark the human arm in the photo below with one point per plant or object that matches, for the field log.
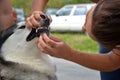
(6, 14)
(37, 9)
(57, 48)
(38, 5)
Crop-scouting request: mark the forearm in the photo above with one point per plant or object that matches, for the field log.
(100, 62)
(6, 16)
(38, 5)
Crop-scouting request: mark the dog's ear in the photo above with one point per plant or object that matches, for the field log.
(31, 35)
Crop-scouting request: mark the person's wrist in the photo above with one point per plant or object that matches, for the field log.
(37, 11)
(70, 54)
(95, 1)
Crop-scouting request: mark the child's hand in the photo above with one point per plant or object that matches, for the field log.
(33, 21)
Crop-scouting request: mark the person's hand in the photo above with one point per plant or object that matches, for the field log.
(34, 20)
(54, 46)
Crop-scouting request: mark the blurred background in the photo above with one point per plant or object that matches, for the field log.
(68, 17)
(25, 4)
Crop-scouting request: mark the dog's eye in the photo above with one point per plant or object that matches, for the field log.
(22, 27)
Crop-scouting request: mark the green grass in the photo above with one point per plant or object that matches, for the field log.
(78, 41)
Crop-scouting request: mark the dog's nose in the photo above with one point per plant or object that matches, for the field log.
(45, 22)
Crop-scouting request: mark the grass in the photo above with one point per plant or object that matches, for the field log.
(78, 41)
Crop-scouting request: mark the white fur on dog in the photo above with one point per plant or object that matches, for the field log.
(17, 49)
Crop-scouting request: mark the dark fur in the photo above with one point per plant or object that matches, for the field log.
(6, 33)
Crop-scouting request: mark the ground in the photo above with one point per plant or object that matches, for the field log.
(67, 70)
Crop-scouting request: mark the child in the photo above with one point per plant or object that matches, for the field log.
(102, 25)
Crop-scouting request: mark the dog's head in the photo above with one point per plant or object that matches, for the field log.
(19, 50)
(44, 28)
(19, 35)
(31, 34)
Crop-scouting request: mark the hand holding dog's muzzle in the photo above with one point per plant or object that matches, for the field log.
(43, 28)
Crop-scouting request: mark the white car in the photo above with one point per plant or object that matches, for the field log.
(70, 18)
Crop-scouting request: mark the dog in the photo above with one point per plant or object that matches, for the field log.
(20, 58)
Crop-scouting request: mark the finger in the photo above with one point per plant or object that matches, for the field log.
(43, 46)
(34, 19)
(34, 22)
(37, 15)
(41, 49)
(28, 23)
(49, 41)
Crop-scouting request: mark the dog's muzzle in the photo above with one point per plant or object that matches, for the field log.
(44, 28)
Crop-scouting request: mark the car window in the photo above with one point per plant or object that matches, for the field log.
(80, 10)
(51, 11)
(65, 11)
